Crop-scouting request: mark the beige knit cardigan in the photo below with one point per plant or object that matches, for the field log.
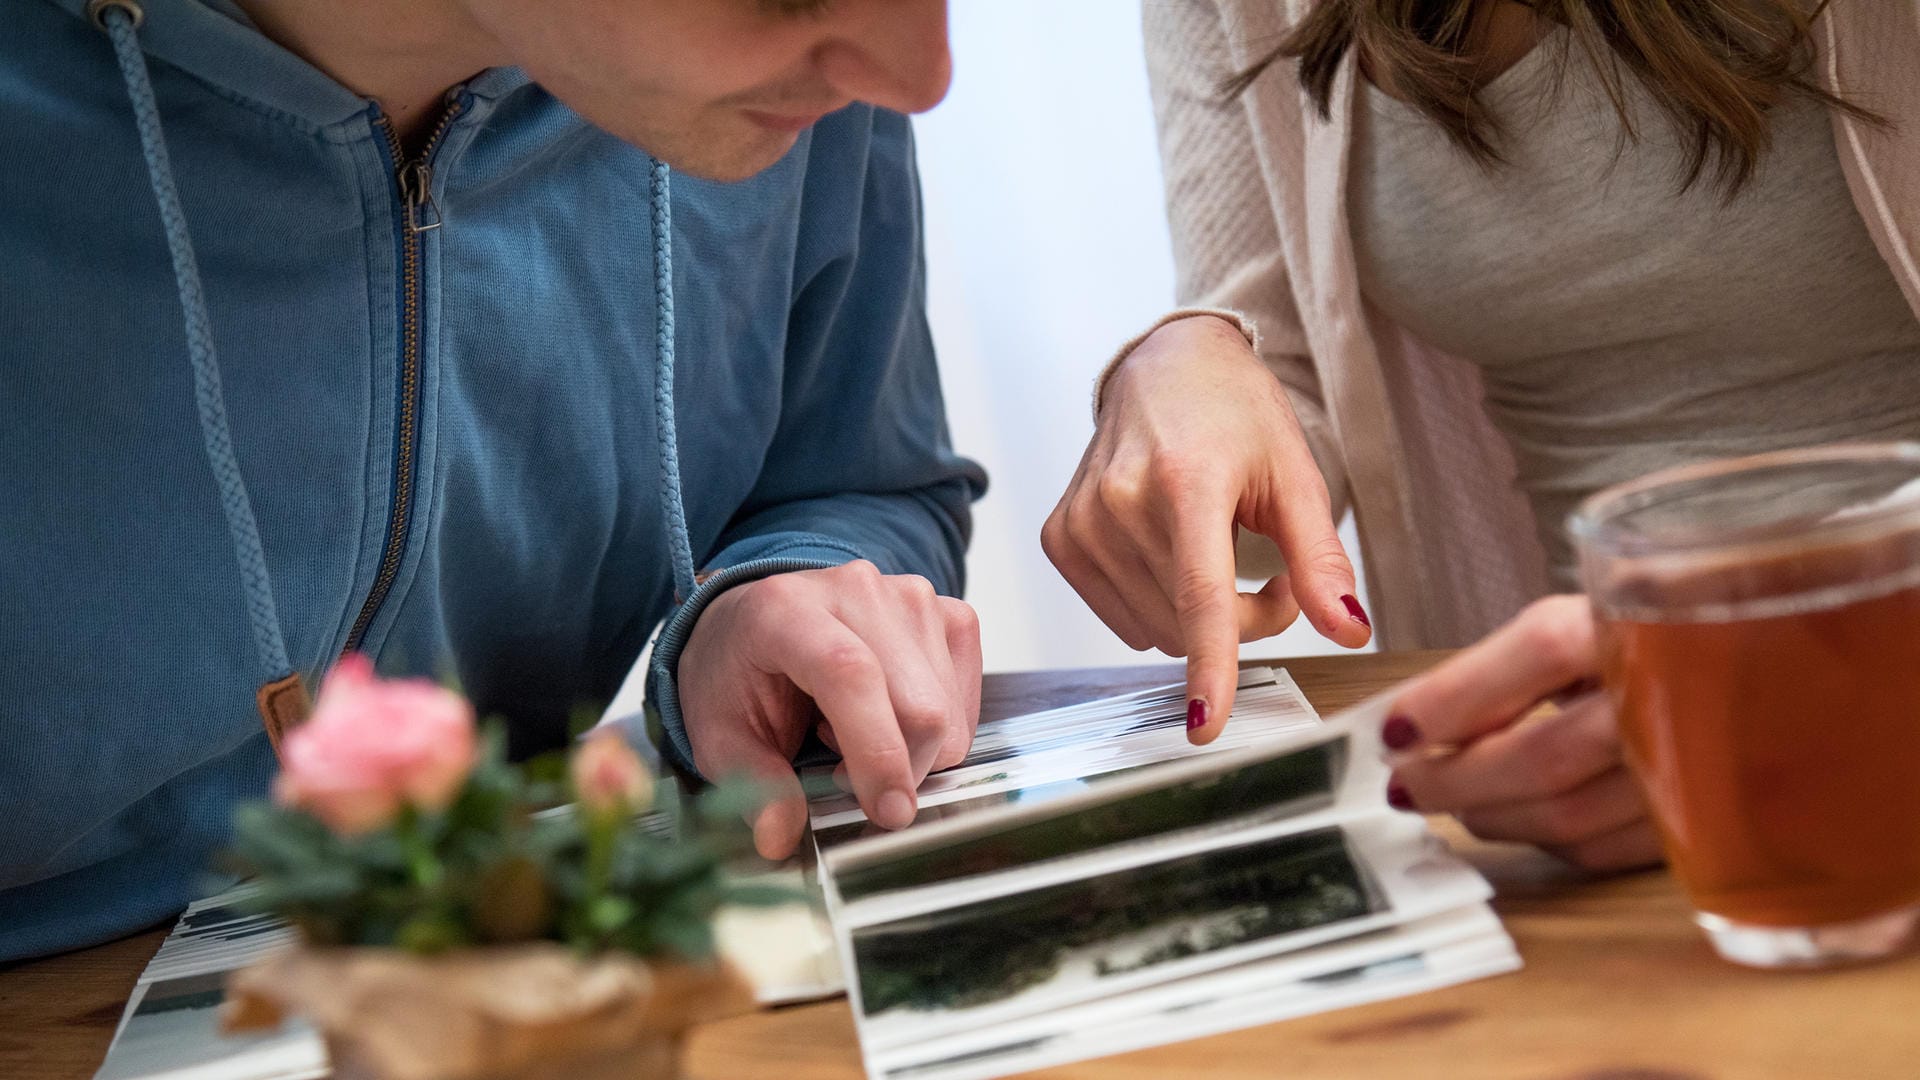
(1256, 197)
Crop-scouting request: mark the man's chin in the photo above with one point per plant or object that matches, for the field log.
(730, 161)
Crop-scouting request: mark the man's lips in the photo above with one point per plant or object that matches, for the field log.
(788, 123)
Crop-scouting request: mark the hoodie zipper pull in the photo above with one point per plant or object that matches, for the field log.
(416, 190)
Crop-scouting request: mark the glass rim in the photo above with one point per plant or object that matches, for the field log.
(1593, 526)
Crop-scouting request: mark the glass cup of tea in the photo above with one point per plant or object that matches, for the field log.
(1759, 624)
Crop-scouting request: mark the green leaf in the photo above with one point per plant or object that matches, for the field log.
(430, 933)
(610, 913)
(378, 852)
(272, 842)
(547, 768)
(690, 937)
(315, 886)
(670, 863)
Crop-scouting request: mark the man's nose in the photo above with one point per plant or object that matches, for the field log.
(893, 54)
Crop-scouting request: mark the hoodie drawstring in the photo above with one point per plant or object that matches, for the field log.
(121, 20)
(661, 193)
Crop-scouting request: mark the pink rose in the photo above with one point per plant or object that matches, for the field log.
(373, 745)
(608, 775)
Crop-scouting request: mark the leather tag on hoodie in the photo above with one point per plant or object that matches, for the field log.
(284, 705)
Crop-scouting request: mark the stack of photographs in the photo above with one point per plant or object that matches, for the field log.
(1087, 882)
(170, 1029)
(171, 1026)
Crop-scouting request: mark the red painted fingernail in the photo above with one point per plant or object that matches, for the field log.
(1399, 733)
(1398, 798)
(1354, 609)
(1196, 714)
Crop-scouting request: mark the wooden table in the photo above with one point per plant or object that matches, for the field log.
(1618, 985)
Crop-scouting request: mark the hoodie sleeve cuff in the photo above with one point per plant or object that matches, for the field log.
(749, 560)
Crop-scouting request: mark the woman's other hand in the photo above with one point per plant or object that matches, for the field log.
(1194, 437)
(1515, 739)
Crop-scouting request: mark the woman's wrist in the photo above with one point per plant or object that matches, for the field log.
(1238, 323)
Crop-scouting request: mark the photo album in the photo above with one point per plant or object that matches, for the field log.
(1088, 882)
(1085, 882)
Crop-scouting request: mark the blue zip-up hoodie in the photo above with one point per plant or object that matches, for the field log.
(450, 436)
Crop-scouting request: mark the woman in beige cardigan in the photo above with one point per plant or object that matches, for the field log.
(1454, 264)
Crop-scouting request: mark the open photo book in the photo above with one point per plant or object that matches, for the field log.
(1087, 882)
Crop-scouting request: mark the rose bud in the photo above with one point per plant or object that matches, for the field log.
(608, 776)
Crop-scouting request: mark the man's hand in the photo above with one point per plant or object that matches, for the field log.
(1196, 437)
(888, 670)
(1513, 737)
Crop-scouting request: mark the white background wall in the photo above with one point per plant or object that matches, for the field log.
(1047, 247)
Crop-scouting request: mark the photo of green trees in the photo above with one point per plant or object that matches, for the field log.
(1111, 924)
(1290, 784)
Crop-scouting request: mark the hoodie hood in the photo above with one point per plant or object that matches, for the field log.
(214, 41)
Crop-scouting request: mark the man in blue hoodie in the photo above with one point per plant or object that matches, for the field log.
(478, 336)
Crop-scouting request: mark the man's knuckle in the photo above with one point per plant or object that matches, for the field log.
(859, 572)
(915, 589)
(881, 757)
(848, 662)
(777, 611)
(779, 590)
(959, 615)
(922, 716)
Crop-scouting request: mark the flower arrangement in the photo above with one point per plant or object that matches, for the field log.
(445, 898)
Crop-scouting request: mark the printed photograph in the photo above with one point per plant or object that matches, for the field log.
(1267, 704)
(1081, 932)
(834, 837)
(1022, 1053)
(992, 744)
(1283, 786)
(1079, 758)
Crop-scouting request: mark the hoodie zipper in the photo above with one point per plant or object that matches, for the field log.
(413, 181)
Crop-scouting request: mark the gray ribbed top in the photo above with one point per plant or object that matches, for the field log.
(1622, 327)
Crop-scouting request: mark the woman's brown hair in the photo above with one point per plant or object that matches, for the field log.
(1717, 68)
